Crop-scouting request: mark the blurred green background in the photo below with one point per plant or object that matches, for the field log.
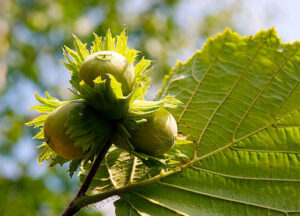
(32, 33)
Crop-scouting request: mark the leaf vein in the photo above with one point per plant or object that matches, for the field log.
(220, 197)
(227, 96)
(243, 177)
(264, 151)
(159, 203)
(260, 93)
(133, 170)
(132, 206)
(110, 174)
(199, 83)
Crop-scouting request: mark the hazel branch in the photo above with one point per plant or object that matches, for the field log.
(72, 207)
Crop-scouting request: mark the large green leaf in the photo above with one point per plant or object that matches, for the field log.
(241, 108)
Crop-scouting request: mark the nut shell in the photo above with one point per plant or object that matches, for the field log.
(156, 136)
(107, 62)
(55, 132)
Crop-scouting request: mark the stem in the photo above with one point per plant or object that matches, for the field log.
(72, 207)
(87, 200)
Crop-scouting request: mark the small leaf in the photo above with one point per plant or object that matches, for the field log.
(37, 122)
(141, 66)
(44, 101)
(115, 89)
(82, 52)
(131, 54)
(45, 154)
(42, 145)
(109, 41)
(42, 108)
(55, 159)
(69, 61)
(97, 44)
(76, 57)
(74, 166)
(121, 45)
(39, 135)
(70, 67)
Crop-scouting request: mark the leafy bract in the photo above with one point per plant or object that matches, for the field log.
(106, 95)
(88, 129)
(241, 108)
(48, 104)
(74, 59)
(107, 98)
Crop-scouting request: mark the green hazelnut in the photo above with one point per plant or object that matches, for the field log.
(156, 136)
(55, 132)
(107, 62)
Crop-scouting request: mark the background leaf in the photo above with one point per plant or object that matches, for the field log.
(241, 109)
